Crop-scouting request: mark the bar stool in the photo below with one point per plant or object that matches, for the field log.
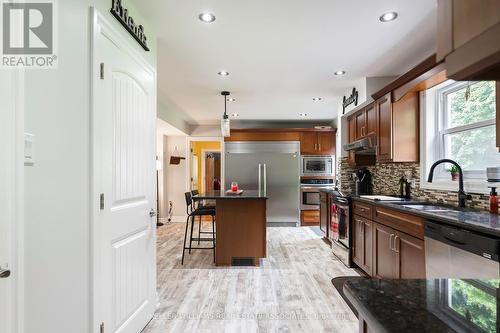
(200, 205)
(192, 213)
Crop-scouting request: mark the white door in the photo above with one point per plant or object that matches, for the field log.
(11, 171)
(123, 178)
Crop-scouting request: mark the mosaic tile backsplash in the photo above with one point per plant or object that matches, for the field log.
(386, 182)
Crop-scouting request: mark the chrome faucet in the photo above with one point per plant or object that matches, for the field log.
(462, 196)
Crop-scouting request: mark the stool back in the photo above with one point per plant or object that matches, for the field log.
(189, 202)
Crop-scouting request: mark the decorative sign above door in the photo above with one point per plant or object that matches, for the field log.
(350, 100)
(137, 31)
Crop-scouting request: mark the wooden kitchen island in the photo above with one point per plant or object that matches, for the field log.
(240, 227)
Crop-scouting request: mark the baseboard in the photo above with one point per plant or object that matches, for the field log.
(282, 224)
(179, 219)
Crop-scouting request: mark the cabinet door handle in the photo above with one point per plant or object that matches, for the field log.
(396, 244)
(319, 146)
(390, 242)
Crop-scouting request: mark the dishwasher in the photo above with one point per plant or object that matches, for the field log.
(453, 252)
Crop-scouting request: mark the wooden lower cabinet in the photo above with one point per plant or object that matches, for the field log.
(385, 252)
(411, 257)
(362, 243)
(397, 255)
(309, 218)
(384, 255)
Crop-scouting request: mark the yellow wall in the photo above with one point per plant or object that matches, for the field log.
(198, 147)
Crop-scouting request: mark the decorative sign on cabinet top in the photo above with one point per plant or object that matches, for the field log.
(136, 30)
(350, 100)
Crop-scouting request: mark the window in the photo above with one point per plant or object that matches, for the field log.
(459, 124)
(467, 131)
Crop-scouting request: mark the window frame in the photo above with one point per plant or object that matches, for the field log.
(432, 143)
(443, 129)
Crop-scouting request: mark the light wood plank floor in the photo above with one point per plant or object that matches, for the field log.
(290, 292)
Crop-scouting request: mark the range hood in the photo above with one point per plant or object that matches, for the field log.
(363, 146)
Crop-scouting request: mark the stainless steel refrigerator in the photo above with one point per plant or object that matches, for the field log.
(273, 167)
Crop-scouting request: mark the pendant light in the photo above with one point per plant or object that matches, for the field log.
(225, 125)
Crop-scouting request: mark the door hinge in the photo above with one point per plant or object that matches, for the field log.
(101, 201)
(101, 71)
(101, 328)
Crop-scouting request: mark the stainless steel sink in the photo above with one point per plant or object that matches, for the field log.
(429, 208)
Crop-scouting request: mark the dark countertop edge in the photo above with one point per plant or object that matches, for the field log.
(433, 217)
(366, 315)
(229, 197)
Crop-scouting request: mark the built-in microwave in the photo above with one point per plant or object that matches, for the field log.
(317, 166)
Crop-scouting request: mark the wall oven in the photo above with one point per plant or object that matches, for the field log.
(318, 166)
(309, 192)
(340, 227)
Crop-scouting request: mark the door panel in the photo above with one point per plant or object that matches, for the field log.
(326, 143)
(308, 143)
(411, 257)
(384, 128)
(368, 246)
(384, 265)
(123, 185)
(360, 118)
(283, 176)
(371, 119)
(358, 240)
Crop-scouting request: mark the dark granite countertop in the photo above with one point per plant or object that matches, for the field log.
(447, 305)
(216, 195)
(469, 219)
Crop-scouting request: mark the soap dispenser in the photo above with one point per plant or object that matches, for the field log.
(493, 201)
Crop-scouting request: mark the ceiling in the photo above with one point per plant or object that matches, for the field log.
(281, 53)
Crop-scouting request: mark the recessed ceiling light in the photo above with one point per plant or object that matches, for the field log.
(206, 17)
(235, 115)
(231, 99)
(339, 73)
(223, 73)
(302, 114)
(316, 99)
(387, 17)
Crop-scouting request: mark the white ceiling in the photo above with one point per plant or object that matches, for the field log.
(281, 53)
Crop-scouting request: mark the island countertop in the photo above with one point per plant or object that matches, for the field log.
(216, 195)
(443, 305)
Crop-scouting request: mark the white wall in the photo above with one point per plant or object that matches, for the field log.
(177, 176)
(57, 219)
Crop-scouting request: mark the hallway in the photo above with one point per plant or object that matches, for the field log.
(291, 291)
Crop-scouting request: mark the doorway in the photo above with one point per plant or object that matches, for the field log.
(206, 170)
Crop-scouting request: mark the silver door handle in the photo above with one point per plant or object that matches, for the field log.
(260, 177)
(390, 242)
(4, 273)
(395, 244)
(265, 178)
(152, 213)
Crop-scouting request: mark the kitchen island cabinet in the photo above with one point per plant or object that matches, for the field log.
(240, 227)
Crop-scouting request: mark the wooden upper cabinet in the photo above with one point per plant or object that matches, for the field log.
(308, 143)
(317, 143)
(398, 129)
(326, 143)
(384, 129)
(360, 119)
(371, 119)
(468, 38)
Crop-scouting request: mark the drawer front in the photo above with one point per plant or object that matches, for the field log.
(362, 209)
(407, 223)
